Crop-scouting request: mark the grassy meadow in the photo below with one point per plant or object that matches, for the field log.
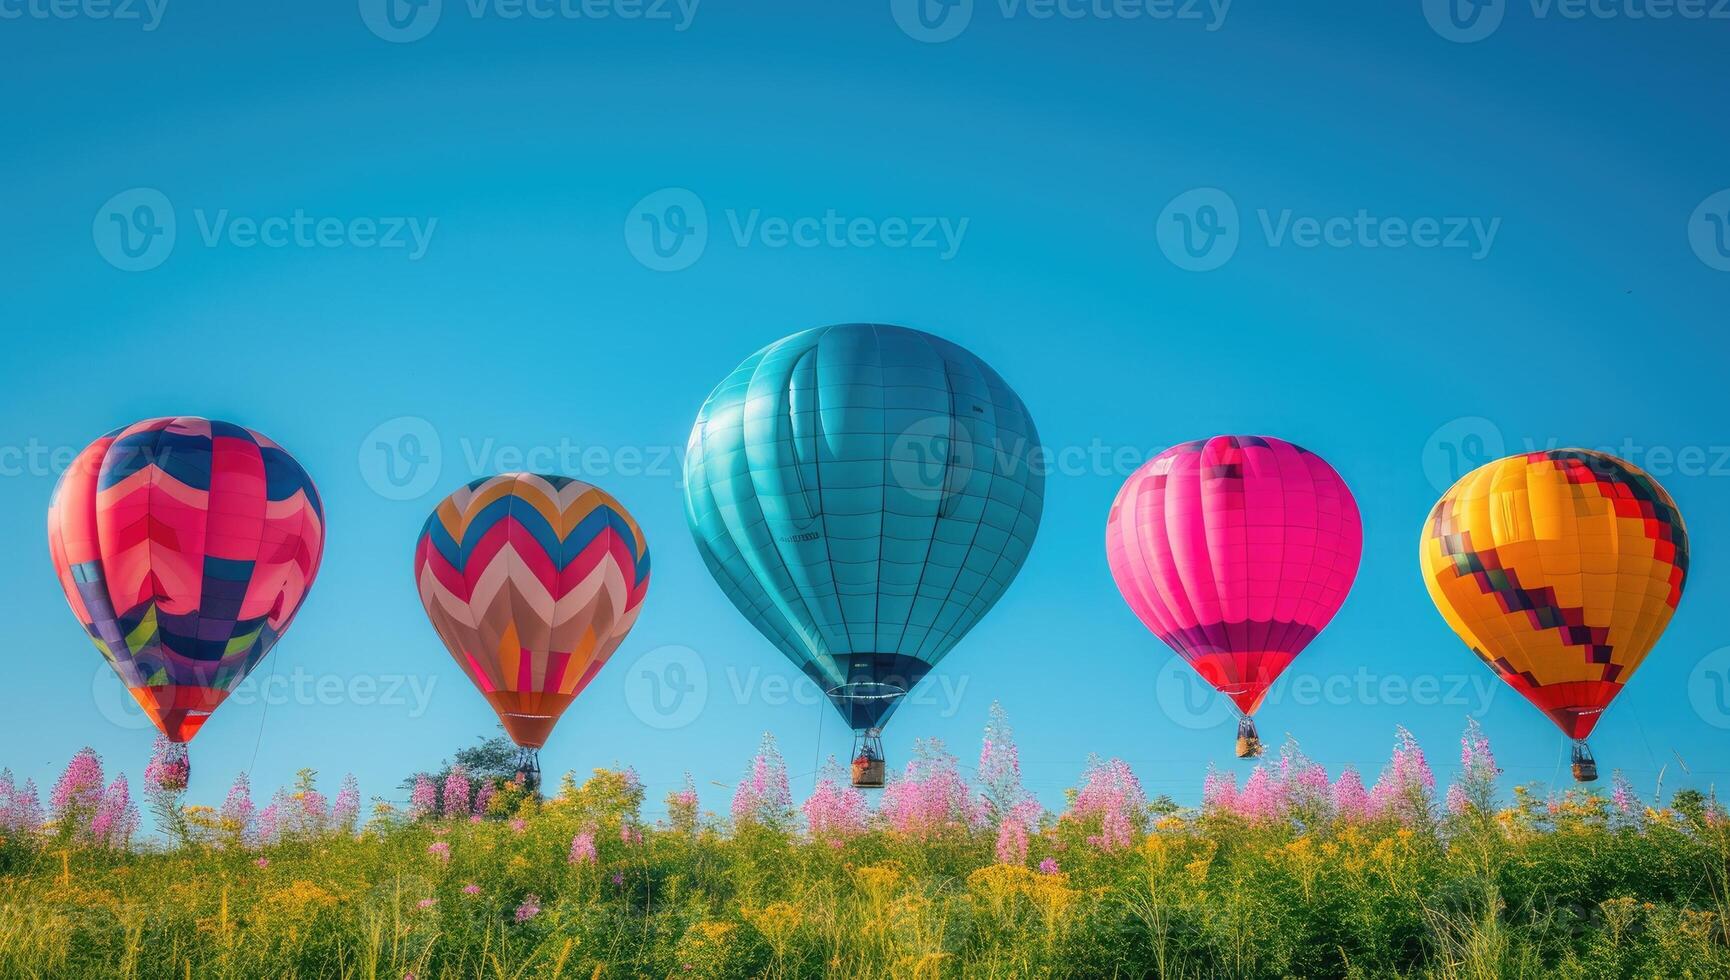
(1294, 873)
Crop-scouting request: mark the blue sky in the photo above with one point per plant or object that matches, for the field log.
(1441, 247)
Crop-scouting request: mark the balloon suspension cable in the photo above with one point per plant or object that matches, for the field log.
(869, 767)
(528, 774)
(1585, 766)
(1248, 740)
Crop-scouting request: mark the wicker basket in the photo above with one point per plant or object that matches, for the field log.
(868, 773)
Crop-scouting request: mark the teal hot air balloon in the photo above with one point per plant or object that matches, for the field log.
(864, 493)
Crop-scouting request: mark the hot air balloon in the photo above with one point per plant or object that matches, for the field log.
(185, 547)
(1559, 569)
(864, 494)
(532, 582)
(1235, 551)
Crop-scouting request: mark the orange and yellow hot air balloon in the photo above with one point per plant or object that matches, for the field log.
(532, 582)
(1560, 569)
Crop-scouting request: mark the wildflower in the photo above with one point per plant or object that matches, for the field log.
(457, 792)
(618, 878)
(519, 825)
(530, 907)
(427, 903)
(1475, 787)
(583, 848)
(77, 793)
(484, 797)
(441, 850)
(236, 813)
(345, 812)
(1351, 800)
(1112, 796)
(1048, 866)
(629, 834)
(1002, 793)
(930, 795)
(116, 818)
(682, 807)
(423, 801)
(835, 811)
(262, 863)
(763, 797)
(1403, 791)
(471, 889)
(268, 828)
(1012, 842)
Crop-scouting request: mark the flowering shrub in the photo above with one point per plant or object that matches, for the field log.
(762, 797)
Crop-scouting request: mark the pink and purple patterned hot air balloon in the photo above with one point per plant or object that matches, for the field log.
(1236, 551)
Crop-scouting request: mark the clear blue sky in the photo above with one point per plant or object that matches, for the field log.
(538, 314)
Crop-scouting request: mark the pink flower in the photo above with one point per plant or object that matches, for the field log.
(484, 797)
(116, 818)
(1012, 842)
(519, 825)
(682, 807)
(262, 862)
(1001, 791)
(427, 903)
(78, 792)
(1218, 792)
(930, 796)
(629, 834)
(583, 848)
(345, 812)
(457, 792)
(618, 878)
(237, 810)
(471, 889)
(835, 811)
(530, 908)
(1351, 801)
(1404, 789)
(1048, 866)
(423, 802)
(1113, 797)
(441, 850)
(762, 796)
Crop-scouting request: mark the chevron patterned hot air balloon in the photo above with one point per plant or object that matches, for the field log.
(1235, 551)
(185, 547)
(1559, 569)
(863, 493)
(532, 582)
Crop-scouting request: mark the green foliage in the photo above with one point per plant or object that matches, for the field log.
(1557, 891)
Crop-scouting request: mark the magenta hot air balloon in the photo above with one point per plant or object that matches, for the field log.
(1236, 551)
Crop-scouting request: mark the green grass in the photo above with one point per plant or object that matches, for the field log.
(1526, 893)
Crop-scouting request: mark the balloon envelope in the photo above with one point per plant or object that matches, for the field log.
(185, 547)
(1235, 551)
(532, 582)
(1559, 569)
(864, 494)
